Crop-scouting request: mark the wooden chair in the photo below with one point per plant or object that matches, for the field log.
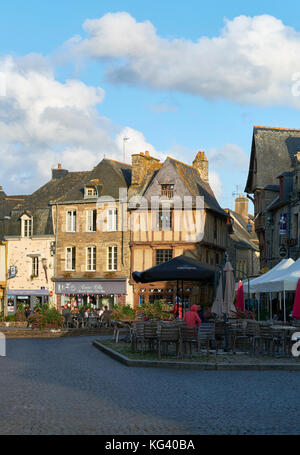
(150, 334)
(253, 334)
(206, 334)
(137, 336)
(237, 332)
(188, 337)
(167, 334)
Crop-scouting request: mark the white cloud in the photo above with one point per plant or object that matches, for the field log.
(251, 61)
(229, 156)
(162, 108)
(44, 121)
(215, 183)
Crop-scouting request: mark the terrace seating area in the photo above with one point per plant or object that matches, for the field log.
(175, 338)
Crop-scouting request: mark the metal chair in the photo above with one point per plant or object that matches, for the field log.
(206, 334)
(188, 337)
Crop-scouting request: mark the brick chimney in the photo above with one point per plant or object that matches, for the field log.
(201, 164)
(59, 172)
(143, 165)
(241, 206)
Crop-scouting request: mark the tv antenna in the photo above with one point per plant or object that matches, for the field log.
(125, 138)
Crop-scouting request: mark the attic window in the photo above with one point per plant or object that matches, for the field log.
(26, 226)
(90, 191)
(167, 189)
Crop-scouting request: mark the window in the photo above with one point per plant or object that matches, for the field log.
(90, 191)
(91, 259)
(163, 256)
(112, 258)
(112, 220)
(167, 190)
(91, 220)
(164, 220)
(26, 227)
(215, 227)
(70, 258)
(35, 266)
(71, 221)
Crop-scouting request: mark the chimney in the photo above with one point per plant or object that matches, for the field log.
(59, 172)
(241, 206)
(201, 164)
(143, 165)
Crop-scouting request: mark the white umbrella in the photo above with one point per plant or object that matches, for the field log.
(218, 302)
(228, 306)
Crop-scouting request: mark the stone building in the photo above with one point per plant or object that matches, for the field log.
(92, 240)
(163, 231)
(243, 248)
(272, 179)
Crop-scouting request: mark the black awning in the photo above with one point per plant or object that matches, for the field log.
(180, 268)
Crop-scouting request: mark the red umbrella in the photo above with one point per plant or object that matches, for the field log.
(240, 297)
(296, 307)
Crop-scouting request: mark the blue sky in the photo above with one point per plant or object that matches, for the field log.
(156, 98)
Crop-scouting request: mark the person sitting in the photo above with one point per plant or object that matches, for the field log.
(201, 314)
(191, 317)
(106, 317)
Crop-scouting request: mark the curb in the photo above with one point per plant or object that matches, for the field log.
(193, 365)
(51, 333)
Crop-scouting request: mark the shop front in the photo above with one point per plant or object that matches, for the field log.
(96, 294)
(31, 297)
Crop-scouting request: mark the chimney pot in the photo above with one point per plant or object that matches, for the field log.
(59, 166)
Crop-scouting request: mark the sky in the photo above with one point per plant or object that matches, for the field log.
(174, 77)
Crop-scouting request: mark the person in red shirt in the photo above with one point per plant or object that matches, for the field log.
(191, 317)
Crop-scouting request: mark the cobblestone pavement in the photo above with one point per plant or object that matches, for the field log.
(67, 386)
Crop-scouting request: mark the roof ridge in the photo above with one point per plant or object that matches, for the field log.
(181, 162)
(276, 128)
(117, 161)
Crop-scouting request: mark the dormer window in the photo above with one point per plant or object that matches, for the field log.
(90, 191)
(26, 226)
(167, 190)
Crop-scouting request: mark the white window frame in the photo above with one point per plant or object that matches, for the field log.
(72, 221)
(113, 250)
(92, 266)
(90, 220)
(69, 260)
(26, 226)
(90, 188)
(112, 220)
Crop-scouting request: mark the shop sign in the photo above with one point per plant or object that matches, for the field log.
(12, 271)
(283, 223)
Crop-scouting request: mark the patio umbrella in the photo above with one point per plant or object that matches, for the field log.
(228, 306)
(296, 307)
(240, 305)
(218, 302)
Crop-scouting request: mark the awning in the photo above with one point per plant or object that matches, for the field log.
(26, 292)
(91, 287)
(180, 268)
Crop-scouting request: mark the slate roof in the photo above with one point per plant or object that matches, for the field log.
(240, 235)
(274, 150)
(109, 176)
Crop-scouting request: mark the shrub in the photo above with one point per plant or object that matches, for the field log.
(45, 316)
(156, 310)
(121, 311)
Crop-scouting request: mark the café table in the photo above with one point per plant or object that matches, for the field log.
(284, 331)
